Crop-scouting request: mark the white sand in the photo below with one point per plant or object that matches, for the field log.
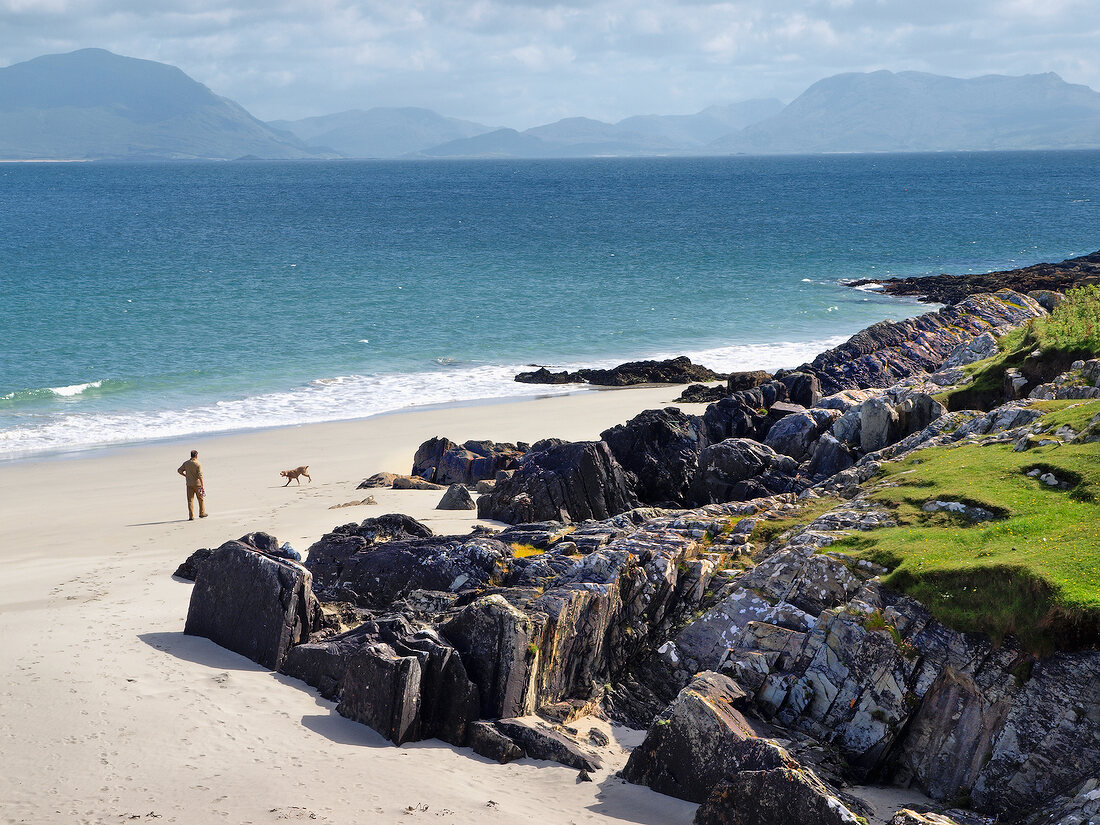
(108, 713)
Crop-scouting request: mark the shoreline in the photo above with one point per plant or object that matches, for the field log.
(109, 711)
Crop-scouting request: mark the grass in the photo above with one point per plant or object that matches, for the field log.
(1071, 331)
(1076, 414)
(767, 530)
(1033, 572)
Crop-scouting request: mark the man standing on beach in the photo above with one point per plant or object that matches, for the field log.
(191, 471)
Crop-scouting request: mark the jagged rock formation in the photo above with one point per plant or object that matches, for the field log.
(441, 461)
(673, 371)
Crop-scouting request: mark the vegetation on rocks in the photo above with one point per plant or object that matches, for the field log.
(1033, 571)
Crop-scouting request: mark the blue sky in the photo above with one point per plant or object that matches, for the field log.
(523, 62)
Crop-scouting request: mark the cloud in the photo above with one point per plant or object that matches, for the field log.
(522, 62)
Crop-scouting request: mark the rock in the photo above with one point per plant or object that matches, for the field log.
(739, 468)
(544, 376)
(916, 412)
(377, 480)
(743, 414)
(977, 349)
(970, 512)
(407, 684)
(802, 387)
(828, 458)
(369, 500)
(189, 569)
(908, 817)
(252, 604)
(326, 557)
(847, 428)
(376, 576)
(696, 742)
(414, 483)
(1048, 299)
(1015, 384)
(782, 796)
(441, 461)
(541, 741)
(737, 381)
(487, 740)
(878, 425)
(485, 486)
(661, 449)
(673, 371)
(702, 394)
(567, 482)
(457, 497)
(794, 435)
(498, 644)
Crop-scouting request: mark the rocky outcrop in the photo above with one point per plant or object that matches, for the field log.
(885, 353)
(951, 289)
(739, 469)
(441, 461)
(672, 371)
(565, 482)
(660, 449)
(782, 796)
(697, 741)
(457, 497)
(252, 603)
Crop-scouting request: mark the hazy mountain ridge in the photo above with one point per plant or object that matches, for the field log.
(92, 104)
(917, 112)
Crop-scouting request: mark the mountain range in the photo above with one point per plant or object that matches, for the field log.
(92, 104)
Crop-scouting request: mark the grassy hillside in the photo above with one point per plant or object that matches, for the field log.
(1033, 569)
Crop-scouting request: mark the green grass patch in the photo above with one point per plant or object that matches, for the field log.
(767, 530)
(1033, 572)
(1076, 414)
(1071, 331)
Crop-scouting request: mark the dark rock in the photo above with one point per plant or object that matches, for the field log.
(702, 394)
(498, 644)
(661, 449)
(264, 542)
(189, 569)
(738, 381)
(441, 461)
(782, 796)
(376, 576)
(828, 458)
(326, 557)
(570, 482)
(381, 690)
(252, 604)
(696, 742)
(743, 414)
(951, 289)
(795, 434)
(738, 469)
(916, 412)
(544, 376)
(487, 740)
(802, 387)
(541, 741)
(541, 535)
(457, 497)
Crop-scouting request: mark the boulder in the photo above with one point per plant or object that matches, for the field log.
(189, 568)
(794, 435)
(566, 482)
(916, 412)
(382, 690)
(252, 604)
(377, 480)
(441, 461)
(739, 468)
(498, 644)
(415, 483)
(737, 381)
(878, 425)
(457, 497)
(541, 741)
(696, 742)
(827, 458)
(545, 376)
(660, 448)
(802, 387)
(976, 349)
(487, 740)
(327, 556)
(743, 414)
(781, 796)
(672, 371)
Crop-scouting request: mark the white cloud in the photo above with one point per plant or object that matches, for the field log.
(522, 62)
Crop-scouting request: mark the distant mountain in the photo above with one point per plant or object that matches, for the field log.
(380, 132)
(585, 137)
(917, 112)
(92, 104)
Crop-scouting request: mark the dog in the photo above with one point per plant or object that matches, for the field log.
(293, 475)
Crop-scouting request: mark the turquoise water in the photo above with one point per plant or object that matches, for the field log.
(148, 301)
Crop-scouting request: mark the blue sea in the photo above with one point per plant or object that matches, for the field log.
(152, 301)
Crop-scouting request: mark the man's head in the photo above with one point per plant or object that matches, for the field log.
(194, 454)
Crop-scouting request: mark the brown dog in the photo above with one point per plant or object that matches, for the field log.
(293, 475)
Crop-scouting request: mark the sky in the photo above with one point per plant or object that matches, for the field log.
(520, 63)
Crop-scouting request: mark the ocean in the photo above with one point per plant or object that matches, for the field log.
(153, 301)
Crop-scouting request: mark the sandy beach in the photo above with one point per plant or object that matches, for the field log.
(108, 713)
